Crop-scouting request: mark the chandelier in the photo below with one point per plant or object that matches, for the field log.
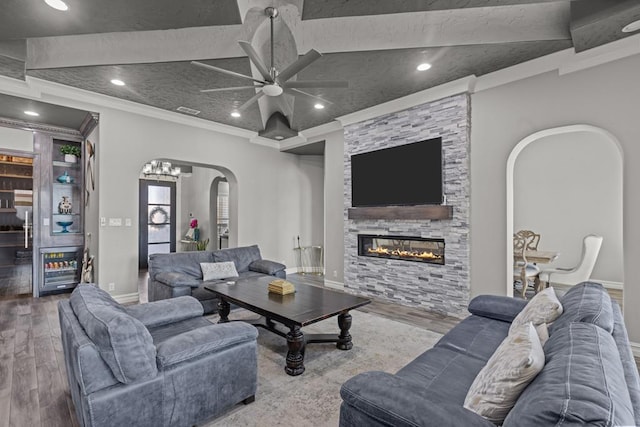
(161, 170)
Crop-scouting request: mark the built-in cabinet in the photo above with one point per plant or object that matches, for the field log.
(60, 219)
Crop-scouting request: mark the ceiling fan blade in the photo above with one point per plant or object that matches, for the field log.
(253, 99)
(317, 83)
(230, 73)
(223, 89)
(298, 65)
(253, 56)
(296, 92)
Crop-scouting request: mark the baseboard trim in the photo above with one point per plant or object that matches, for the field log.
(635, 348)
(291, 270)
(334, 285)
(127, 298)
(610, 285)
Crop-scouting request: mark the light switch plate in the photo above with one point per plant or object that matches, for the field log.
(103, 221)
(45, 222)
(127, 222)
(115, 222)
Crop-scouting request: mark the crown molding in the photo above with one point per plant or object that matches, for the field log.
(17, 87)
(266, 142)
(523, 70)
(609, 52)
(71, 97)
(465, 84)
(38, 127)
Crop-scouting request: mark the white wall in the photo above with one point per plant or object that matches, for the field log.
(334, 206)
(567, 186)
(271, 186)
(603, 96)
(16, 139)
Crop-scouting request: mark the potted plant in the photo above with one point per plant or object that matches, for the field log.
(71, 153)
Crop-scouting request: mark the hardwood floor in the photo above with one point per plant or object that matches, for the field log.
(33, 382)
(15, 280)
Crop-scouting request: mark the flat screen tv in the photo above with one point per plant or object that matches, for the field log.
(409, 174)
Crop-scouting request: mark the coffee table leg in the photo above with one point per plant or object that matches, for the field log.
(295, 355)
(344, 339)
(223, 310)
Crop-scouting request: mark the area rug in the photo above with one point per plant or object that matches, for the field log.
(313, 398)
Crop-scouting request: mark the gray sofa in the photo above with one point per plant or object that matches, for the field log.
(155, 364)
(589, 377)
(178, 274)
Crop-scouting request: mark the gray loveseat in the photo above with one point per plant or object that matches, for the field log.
(589, 377)
(156, 364)
(177, 274)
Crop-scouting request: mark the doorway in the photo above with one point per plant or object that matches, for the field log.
(569, 184)
(16, 219)
(157, 223)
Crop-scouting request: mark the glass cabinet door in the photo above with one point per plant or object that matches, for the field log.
(16, 230)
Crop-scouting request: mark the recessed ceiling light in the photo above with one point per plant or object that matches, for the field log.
(279, 137)
(31, 113)
(117, 82)
(318, 106)
(57, 4)
(423, 67)
(630, 28)
(235, 114)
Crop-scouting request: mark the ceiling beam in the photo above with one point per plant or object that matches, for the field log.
(544, 21)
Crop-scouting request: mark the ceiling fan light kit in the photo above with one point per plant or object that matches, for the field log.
(274, 83)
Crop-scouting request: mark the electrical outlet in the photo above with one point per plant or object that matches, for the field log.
(335, 273)
(112, 286)
(103, 221)
(127, 222)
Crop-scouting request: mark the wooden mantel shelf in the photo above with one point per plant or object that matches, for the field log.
(402, 212)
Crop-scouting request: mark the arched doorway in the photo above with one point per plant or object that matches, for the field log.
(565, 197)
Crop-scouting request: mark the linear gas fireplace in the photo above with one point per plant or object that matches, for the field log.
(418, 249)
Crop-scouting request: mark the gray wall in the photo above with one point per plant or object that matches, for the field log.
(567, 186)
(604, 96)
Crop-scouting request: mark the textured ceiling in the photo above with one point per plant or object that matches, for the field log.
(50, 114)
(375, 45)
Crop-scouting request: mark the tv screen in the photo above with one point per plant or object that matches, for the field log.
(409, 174)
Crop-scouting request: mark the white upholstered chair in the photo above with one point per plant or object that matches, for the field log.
(572, 276)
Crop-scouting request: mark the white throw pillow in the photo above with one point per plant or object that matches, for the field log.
(544, 307)
(514, 364)
(218, 270)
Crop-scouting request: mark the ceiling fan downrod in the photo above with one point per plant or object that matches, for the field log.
(272, 13)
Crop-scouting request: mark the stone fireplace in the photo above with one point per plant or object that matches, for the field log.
(441, 286)
(405, 248)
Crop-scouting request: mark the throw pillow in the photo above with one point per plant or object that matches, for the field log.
(543, 333)
(514, 364)
(218, 270)
(543, 308)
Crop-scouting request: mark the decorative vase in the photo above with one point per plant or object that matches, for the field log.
(70, 158)
(65, 178)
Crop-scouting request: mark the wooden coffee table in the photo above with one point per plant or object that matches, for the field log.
(308, 305)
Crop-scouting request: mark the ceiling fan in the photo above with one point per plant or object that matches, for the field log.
(274, 83)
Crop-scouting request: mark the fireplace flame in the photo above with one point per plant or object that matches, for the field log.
(403, 254)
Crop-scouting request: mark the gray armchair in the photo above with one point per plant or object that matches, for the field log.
(156, 364)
